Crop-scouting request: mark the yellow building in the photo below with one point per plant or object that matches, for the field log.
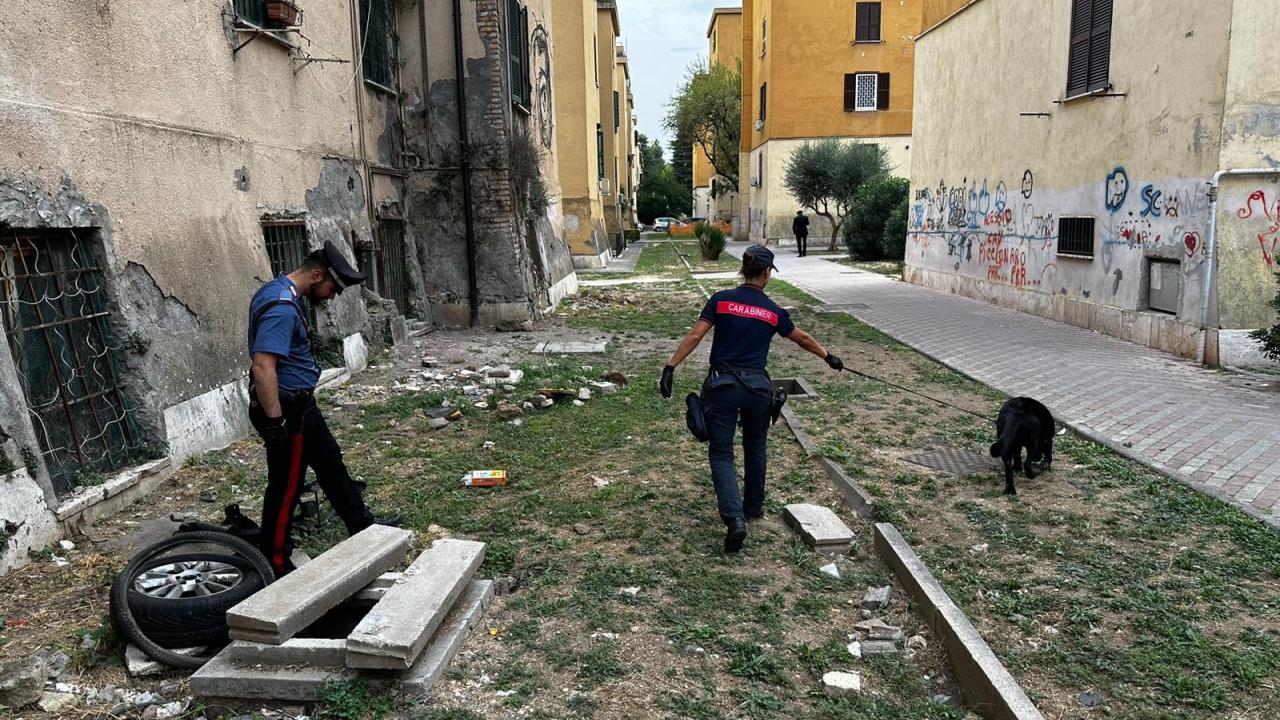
(724, 47)
(579, 132)
(616, 141)
(823, 69)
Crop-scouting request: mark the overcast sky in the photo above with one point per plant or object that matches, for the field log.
(663, 37)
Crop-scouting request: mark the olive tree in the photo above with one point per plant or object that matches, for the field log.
(824, 177)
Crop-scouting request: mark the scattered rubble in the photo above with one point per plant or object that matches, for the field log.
(841, 684)
(878, 598)
(22, 681)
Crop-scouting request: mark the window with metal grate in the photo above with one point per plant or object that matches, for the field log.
(1089, 64)
(392, 271)
(57, 320)
(1075, 236)
(376, 62)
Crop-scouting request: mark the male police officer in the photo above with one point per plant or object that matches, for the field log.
(800, 227)
(738, 387)
(282, 405)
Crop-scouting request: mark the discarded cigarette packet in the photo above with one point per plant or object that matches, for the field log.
(485, 478)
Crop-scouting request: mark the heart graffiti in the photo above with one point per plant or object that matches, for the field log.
(1192, 241)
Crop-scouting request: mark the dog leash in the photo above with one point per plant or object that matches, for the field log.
(914, 392)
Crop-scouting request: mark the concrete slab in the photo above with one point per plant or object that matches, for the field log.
(396, 630)
(570, 348)
(984, 682)
(802, 437)
(285, 607)
(818, 526)
(298, 670)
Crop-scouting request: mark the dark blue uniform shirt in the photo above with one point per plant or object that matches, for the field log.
(282, 331)
(745, 320)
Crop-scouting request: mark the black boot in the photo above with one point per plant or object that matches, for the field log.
(735, 535)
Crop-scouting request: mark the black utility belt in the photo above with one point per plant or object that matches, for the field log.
(289, 397)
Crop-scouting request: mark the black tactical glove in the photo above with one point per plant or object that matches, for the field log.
(834, 362)
(668, 379)
(275, 431)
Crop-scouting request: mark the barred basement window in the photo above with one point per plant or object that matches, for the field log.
(518, 54)
(286, 249)
(68, 360)
(1075, 236)
(375, 23)
(392, 272)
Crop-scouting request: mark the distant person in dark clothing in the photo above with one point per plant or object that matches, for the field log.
(800, 227)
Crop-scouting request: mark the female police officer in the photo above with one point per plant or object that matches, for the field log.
(737, 387)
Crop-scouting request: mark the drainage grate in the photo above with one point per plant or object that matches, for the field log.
(957, 462)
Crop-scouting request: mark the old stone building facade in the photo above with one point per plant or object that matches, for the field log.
(151, 180)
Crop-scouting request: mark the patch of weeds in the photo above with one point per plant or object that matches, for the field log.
(684, 705)
(105, 646)
(446, 714)
(599, 666)
(352, 700)
(758, 705)
(752, 662)
(818, 660)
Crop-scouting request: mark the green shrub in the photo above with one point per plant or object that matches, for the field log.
(894, 242)
(711, 241)
(1269, 337)
(873, 205)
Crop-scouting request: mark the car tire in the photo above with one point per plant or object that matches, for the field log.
(122, 616)
(191, 619)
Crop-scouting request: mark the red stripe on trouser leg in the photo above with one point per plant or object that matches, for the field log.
(286, 505)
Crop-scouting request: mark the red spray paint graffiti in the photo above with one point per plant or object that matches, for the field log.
(1269, 238)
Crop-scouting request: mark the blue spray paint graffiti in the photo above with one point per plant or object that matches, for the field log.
(1117, 189)
(1151, 201)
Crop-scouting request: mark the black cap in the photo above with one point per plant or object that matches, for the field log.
(339, 269)
(762, 256)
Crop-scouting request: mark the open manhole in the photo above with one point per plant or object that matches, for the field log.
(955, 461)
(797, 388)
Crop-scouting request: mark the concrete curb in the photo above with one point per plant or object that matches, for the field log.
(985, 684)
(802, 437)
(854, 495)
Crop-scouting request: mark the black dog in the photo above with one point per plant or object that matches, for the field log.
(1023, 423)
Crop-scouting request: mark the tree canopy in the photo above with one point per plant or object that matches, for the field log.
(660, 193)
(706, 113)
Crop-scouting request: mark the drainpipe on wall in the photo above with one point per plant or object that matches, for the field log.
(357, 44)
(1211, 246)
(464, 139)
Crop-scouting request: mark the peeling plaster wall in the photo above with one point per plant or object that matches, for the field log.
(989, 185)
(519, 259)
(173, 149)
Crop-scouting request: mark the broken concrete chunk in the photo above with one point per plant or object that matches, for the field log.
(584, 394)
(54, 702)
(855, 649)
(833, 570)
(879, 647)
(917, 642)
(396, 630)
(604, 388)
(878, 629)
(283, 608)
(22, 681)
(139, 664)
(878, 598)
(570, 348)
(818, 526)
(841, 684)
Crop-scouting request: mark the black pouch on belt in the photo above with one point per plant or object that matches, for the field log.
(775, 407)
(695, 416)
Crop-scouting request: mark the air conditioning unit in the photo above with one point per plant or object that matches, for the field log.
(759, 125)
(606, 187)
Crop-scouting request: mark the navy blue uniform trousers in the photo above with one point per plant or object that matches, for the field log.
(728, 401)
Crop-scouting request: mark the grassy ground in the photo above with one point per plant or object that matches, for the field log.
(1099, 577)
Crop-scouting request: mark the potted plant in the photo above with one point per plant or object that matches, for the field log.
(284, 12)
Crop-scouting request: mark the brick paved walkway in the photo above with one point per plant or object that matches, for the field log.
(1214, 431)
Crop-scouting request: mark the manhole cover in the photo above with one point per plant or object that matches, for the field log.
(957, 462)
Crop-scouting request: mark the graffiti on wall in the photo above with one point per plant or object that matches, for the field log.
(1264, 208)
(982, 230)
(542, 100)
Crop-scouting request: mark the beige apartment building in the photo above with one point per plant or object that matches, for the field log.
(713, 197)
(160, 177)
(1111, 165)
